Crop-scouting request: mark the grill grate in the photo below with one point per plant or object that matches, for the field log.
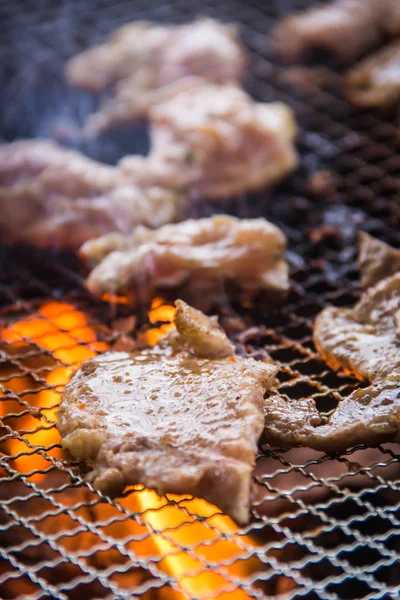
(323, 526)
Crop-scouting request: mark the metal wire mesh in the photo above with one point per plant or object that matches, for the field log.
(322, 526)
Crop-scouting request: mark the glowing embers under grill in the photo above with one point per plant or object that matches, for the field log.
(59, 538)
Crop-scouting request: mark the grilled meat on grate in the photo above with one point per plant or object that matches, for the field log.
(51, 196)
(365, 342)
(142, 58)
(182, 417)
(201, 253)
(215, 141)
(334, 527)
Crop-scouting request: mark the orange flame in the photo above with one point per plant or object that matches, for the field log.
(64, 333)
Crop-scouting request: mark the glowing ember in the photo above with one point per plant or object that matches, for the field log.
(67, 339)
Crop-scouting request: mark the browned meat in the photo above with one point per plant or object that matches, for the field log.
(170, 419)
(363, 340)
(377, 260)
(216, 141)
(51, 196)
(142, 58)
(367, 416)
(287, 420)
(375, 81)
(199, 253)
(345, 28)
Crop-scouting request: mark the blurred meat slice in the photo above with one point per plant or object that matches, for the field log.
(183, 417)
(377, 260)
(375, 81)
(51, 196)
(344, 28)
(249, 252)
(216, 141)
(142, 57)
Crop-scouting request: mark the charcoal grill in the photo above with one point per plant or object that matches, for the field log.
(323, 526)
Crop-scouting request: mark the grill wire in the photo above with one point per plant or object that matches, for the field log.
(323, 526)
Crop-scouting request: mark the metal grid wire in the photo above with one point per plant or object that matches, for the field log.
(323, 526)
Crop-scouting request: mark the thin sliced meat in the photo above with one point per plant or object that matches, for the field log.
(199, 253)
(367, 416)
(215, 141)
(142, 59)
(52, 196)
(363, 340)
(170, 419)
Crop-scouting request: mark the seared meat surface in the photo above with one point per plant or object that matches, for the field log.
(365, 342)
(375, 81)
(51, 196)
(368, 416)
(170, 419)
(344, 28)
(201, 253)
(377, 260)
(216, 141)
(142, 58)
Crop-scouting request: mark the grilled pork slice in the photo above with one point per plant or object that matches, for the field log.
(377, 260)
(368, 416)
(363, 340)
(344, 28)
(215, 141)
(142, 58)
(375, 81)
(51, 196)
(206, 252)
(183, 417)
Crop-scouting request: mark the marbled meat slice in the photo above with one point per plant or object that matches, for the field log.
(200, 253)
(375, 81)
(142, 59)
(170, 419)
(344, 28)
(215, 141)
